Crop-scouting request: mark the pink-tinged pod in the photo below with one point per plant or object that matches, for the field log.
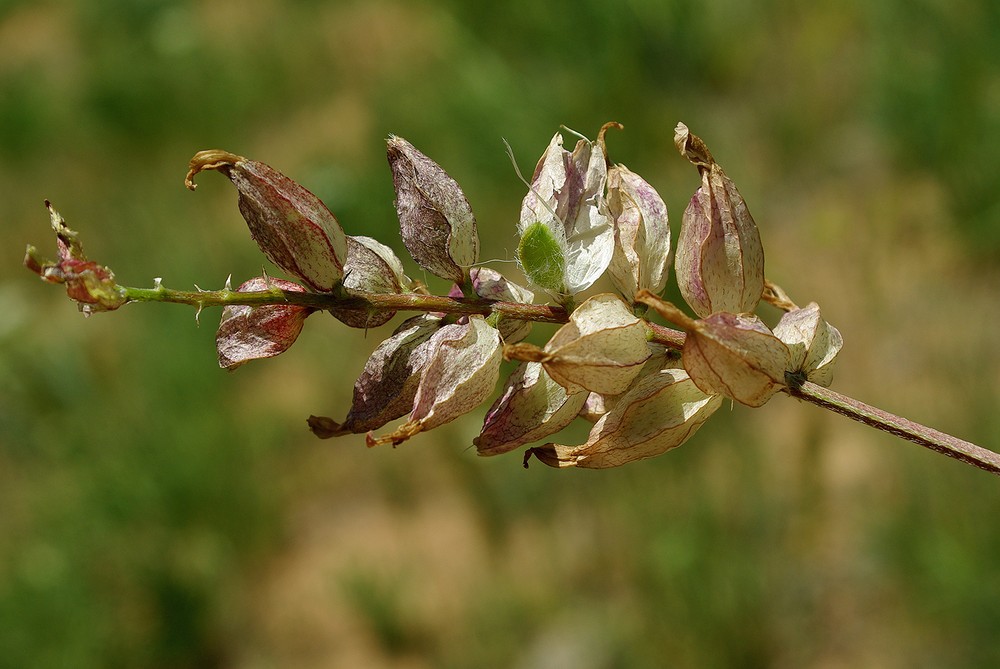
(720, 260)
(388, 384)
(489, 284)
(291, 226)
(250, 333)
(659, 413)
(435, 219)
(641, 259)
(371, 267)
(462, 371)
(531, 407)
(813, 343)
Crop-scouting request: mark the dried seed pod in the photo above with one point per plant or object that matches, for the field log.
(436, 221)
(291, 226)
(461, 373)
(567, 239)
(388, 384)
(371, 267)
(720, 260)
(491, 285)
(641, 259)
(813, 343)
(660, 412)
(250, 333)
(531, 407)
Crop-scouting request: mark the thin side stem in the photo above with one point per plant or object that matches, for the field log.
(927, 437)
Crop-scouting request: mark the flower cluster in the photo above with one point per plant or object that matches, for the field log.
(582, 217)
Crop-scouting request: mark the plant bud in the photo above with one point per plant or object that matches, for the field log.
(567, 239)
(462, 372)
(602, 348)
(641, 258)
(388, 384)
(436, 221)
(90, 285)
(660, 412)
(531, 407)
(371, 267)
(812, 342)
(249, 333)
(491, 285)
(720, 260)
(291, 226)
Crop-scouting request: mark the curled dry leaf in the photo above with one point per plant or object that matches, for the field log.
(531, 407)
(291, 226)
(388, 384)
(436, 221)
(567, 239)
(641, 257)
(461, 373)
(660, 412)
(812, 342)
(250, 333)
(720, 259)
(371, 267)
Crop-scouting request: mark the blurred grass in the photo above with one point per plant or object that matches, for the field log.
(157, 512)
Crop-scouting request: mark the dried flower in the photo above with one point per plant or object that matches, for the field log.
(250, 333)
(371, 267)
(813, 343)
(641, 258)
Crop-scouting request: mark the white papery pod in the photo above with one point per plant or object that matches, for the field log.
(461, 373)
(489, 284)
(641, 257)
(602, 348)
(812, 342)
(660, 358)
(532, 407)
(567, 239)
(737, 356)
(371, 267)
(659, 413)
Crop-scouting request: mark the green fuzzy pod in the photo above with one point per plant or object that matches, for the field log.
(542, 257)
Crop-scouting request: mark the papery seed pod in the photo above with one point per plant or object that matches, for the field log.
(531, 407)
(720, 260)
(460, 375)
(735, 355)
(371, 267)
(660, 412)
(291, 226)
(436, 221)
(491, 285)
(641, 258)
(250, 333)
(602, 348)
(388, 384)
(660, 358)
(813, 343)
(564, 224)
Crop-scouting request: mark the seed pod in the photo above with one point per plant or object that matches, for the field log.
(660, 412)
(567, 239)
(388, 384)
(491, 285)
(641, 258)
(720, 260)
(371, 267)
(436, 221)
(250, 333)
(602, 348)
(531, 407)
(291, 226)
(461, 373)
(813, 343)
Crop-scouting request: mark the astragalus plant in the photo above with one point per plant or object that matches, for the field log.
(645, 388)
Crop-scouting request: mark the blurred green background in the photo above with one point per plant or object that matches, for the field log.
(158, 512)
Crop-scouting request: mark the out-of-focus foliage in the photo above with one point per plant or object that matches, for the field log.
(155, 511)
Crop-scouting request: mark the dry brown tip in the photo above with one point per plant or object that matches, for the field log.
(210, 159)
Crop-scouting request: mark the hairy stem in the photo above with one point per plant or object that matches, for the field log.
(927, 437)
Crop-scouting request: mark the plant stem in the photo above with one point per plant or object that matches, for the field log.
(927, 437)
